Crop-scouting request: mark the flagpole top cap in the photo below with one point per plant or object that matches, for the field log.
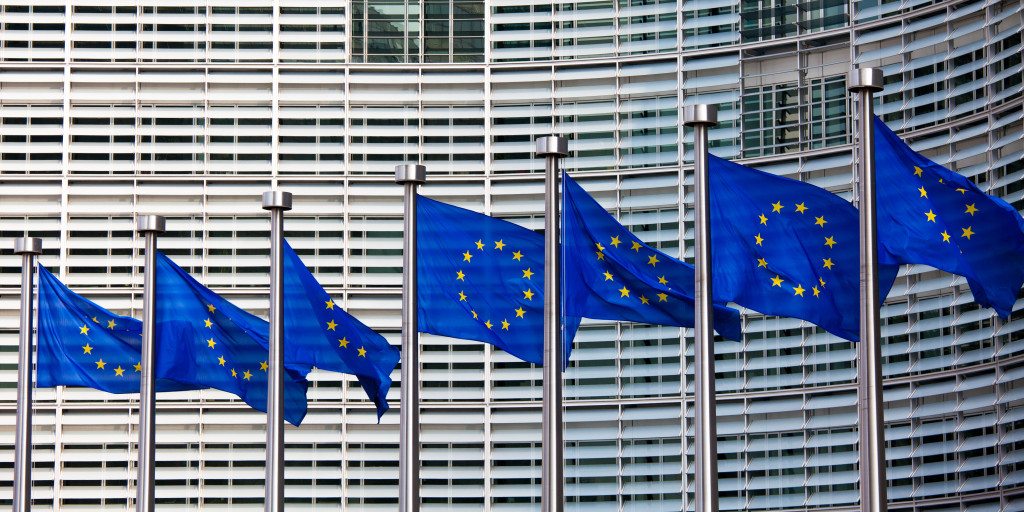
(277, 200)
(411, 173)
(698, 115)
(866, 79)
(150, 224)
(28, 245)
(552, 145)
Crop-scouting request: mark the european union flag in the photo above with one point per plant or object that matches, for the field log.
(82, 344)
(928, 214)
(204, 340)
(783, 247)
(482, 278)
(611, 275)
(318, 332)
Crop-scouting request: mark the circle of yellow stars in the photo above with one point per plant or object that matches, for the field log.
(87, 349)
(333, 326)
(528, 293)
(652, 260)
(221, 361)
(826, 263)
(931, 216)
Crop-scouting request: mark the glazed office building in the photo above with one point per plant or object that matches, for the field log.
(192, 109)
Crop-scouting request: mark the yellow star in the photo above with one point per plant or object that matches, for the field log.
(967, 233)
(119, 371)
(517, 256)
(527, 274)
(662, 297)
(138, 368)
(95, 320)
(362, 352)
(662, 280)
(528, 294)
(600, 247)
(962, 190)
(820, 221)
(466, 256)
(615, 242)
(923, 193)
(830, 241)
(329, 304)
(608, 276)
(945, 237)
(500, 245)
(211, 308)
(971, 209)
(459, 276)
(474, 313)
(828, 263)
(220, 360)
(930, 216)
(800, 208)
(822, 281)
(600, 255)
(331, 325)
(624, 292)
(777, 207)
(777, 281)
(636, 246)
(211, 343)
(764, 220)
(520, 312)
(816, 291)
(653, 260)
(111, 324)
(264, 366)
(462, 296)
(644, 300)
(504, 324)
(758, 239)
(84, 330)
(100, 364)
(87, 349)
(799, 290)
(234, 373)
(480, 244)
(247, 375)
(917, 171)
(488, 324)
(209, 324)
(343, 342)
(762, 263)
(941, 181)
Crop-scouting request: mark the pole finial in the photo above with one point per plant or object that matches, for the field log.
(28, 245)
(411, 173)
(552, 145)
(277, 200)
(866, 79)
(150, 223)
(701, 114)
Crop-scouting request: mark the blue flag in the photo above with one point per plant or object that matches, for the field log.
(482, 278)
(318, 332)
(82, 344)
(611, 275)
(783, 247)
(928, 214)
(204, 340)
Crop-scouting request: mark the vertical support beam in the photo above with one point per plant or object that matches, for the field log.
(28, 248)
(702, 117)
(552, 480)
(864, 82)
(277, 202)
(150, 226)
(411, 176)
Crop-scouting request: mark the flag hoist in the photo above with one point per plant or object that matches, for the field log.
(149, 226)
(28, 248)
(277, 202)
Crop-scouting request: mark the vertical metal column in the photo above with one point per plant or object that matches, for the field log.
(552, 443)
(411, 176)
(150, 226)
(28, 248)
(873, 497)
(277, 202)
(701, 117)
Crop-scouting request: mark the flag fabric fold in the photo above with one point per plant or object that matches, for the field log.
(482, 278)
(318, 332)
(204, 340)
(82, 344)
(930, 215)
(611, 275)
(783, 247)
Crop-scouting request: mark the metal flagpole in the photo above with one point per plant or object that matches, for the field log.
(701, 117)
(277, 202)
(28, 248)
(552, 444)
(865, 82)
(411, 176)
(150, 226)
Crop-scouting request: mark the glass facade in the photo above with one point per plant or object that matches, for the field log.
(191, 110)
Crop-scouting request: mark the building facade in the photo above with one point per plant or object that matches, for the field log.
(192, 109)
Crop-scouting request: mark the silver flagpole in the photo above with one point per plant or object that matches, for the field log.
(411, 176)
(865, 82)
(277, 202)
(701, 117)
(28, 248)
(150, 226)
(552, 481)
